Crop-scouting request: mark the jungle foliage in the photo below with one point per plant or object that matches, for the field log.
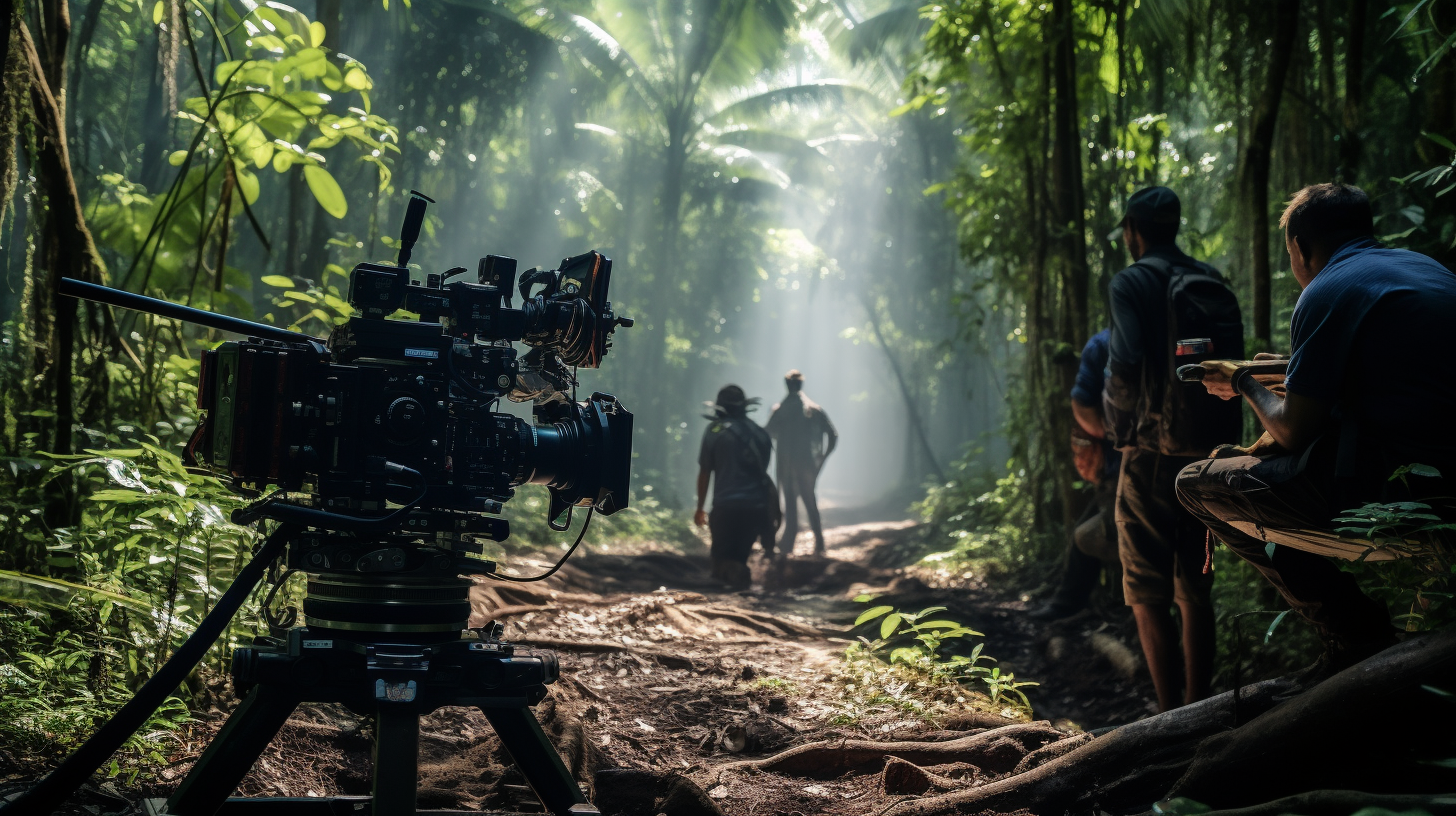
(949, 170)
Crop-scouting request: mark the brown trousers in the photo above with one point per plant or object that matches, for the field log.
(1160, 543)
(1284, 493)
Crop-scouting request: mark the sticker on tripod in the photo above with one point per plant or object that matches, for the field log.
(318, 644)
(428, 354)
(394, 692)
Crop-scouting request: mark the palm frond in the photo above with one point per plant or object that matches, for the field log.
(37, 591)
(898, 28)
(824, 92)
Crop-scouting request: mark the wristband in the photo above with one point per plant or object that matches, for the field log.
(1236, 382)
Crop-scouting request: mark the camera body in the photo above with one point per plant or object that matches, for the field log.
(323, 420)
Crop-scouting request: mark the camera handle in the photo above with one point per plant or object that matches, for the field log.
(51, 792)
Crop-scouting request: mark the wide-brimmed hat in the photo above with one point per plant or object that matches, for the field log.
(731, 399)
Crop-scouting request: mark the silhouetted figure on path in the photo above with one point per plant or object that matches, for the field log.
(734, 457)
(805, 438)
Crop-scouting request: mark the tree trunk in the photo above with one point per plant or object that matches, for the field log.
(1354, 90)
(1257, 160)
(1068, 207)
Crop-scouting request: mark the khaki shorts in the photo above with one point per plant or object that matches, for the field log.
(1163, 547)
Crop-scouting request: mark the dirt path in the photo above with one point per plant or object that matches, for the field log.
(667, 677)
(665, 673)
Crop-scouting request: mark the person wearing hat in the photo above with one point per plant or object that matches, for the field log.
(1162, 546)
(805, 438)
(734, 458)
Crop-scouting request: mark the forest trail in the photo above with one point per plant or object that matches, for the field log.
(666, 678)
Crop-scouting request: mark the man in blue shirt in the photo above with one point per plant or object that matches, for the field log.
(1094, 539)
(1362, 400)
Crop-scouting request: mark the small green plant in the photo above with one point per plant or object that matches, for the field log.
(1421, 575)
(923, 653)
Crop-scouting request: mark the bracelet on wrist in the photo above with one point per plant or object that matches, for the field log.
(1237, 381)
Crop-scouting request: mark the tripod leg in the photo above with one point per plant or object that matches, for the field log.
(396, 759)
(536, 758)
(232, 753)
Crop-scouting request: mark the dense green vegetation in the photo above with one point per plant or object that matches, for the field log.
(944, 173)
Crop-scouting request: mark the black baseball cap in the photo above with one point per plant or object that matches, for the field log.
(1150, 205)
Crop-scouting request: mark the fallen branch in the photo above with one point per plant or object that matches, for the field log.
(996, 751)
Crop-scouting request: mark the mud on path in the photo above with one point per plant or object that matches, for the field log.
(670, 684)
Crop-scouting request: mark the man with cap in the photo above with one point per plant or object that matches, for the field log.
(734, 457)
(1162, 546)
(805, 439)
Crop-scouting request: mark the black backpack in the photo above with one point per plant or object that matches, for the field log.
(1184, 418)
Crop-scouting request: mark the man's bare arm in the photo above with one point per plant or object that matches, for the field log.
(1090, 418)
(1293, 421)
(700, 518)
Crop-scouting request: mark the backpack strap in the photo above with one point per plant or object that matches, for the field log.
(745, 437)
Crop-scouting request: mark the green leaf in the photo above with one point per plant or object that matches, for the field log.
(280, 281)
(859, 598)
(1277, 620)
(177, 157)
(888, 625)
(871, 614)
(358, 80)
(1269, 549)
(158, 11)
(326, 190)
(316, 33)
(247, 185)
(938, 624)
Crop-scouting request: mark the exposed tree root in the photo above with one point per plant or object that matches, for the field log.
(1133, 765)
(900, 777)
(996, 751)
(1373, 720)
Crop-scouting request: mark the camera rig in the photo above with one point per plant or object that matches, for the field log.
(381, 455)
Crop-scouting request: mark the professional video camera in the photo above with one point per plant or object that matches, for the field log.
(389, 465)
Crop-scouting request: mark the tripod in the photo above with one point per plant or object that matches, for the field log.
(396, 683)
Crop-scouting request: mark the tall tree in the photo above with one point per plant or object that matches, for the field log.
(1257, 158)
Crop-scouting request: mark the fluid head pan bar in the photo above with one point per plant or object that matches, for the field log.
(165, 308)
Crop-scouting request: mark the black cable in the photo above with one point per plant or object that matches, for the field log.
(309, 517)
(548, 573)
(50, 792)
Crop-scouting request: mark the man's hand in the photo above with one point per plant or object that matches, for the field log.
(1263, 446)
(1218, 378)
(700, 518)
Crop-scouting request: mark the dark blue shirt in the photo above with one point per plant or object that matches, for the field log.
(1372, 338)
(1088, 389)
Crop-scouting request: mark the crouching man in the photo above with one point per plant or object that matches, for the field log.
(1368, 389)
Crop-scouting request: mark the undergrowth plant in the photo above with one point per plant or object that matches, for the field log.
(90, 610)
(1420, 578)
(916, 641)
(985, 523)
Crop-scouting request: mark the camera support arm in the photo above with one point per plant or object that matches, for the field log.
(49, 793)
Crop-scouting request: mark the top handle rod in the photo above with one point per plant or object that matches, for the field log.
(165, 308)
